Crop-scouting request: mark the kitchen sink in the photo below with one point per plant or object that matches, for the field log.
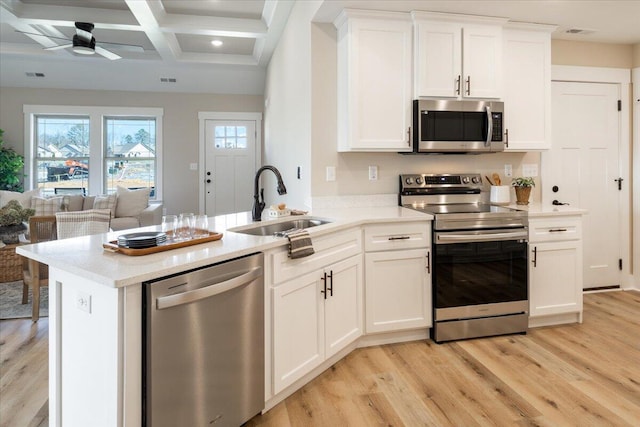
(279, 228)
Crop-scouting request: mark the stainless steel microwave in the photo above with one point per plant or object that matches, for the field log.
(448, 126)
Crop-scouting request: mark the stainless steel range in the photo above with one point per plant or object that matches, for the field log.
(480, 280)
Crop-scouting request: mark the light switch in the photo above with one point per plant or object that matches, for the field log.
(331, 173)
(530, 170)
(193, 166)
(373, 173)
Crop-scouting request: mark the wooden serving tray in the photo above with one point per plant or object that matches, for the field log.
(112, 246)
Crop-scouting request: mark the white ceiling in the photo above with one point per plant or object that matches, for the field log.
(175, 36)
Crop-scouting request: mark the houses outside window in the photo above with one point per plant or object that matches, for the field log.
(93, 150)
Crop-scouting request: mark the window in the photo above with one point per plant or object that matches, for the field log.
(61, 152)
(231, 137)
(130, 152)
(93, 150)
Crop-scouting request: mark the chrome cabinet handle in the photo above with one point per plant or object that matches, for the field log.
(506, 138)
(409, 136)
(458, 84)
(468, 81)
(399, 237)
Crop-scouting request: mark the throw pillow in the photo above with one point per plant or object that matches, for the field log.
(106, 202)
(131, 202)
(23, 198)
(47, 205)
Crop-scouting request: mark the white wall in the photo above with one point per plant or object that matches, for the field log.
(180, 127)
(287, 118)
(636, 175)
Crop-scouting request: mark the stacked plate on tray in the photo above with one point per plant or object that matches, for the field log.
(142, 240)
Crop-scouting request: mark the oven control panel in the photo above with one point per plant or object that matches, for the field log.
(413, 181)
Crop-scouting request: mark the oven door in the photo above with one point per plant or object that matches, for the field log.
(480, 273)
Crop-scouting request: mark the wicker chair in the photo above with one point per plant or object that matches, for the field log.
(41, 229)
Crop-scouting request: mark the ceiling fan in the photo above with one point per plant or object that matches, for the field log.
(84, 43)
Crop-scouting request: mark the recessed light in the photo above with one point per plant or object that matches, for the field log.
(216, 43)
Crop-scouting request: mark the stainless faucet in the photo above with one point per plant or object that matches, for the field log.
(258, 202)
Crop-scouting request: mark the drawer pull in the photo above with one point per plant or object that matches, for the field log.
(557, 230)
(399, 238)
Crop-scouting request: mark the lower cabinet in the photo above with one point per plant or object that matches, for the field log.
(398, 290)
(555, 270)
(315, 316)
(555, 277)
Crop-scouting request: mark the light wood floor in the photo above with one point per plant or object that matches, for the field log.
(576, 375)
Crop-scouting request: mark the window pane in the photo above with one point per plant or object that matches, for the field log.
(128, 139)
(130, 173)
(62, 150)
(242, 143)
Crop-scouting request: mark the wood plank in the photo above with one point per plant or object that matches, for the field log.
(582, 374)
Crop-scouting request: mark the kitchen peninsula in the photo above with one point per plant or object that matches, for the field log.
(95, 325)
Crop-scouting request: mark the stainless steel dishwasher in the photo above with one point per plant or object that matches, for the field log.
(203, 346)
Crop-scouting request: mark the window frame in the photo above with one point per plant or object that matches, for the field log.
(97, 151)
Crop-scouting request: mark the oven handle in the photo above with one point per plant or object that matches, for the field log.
(478, 236)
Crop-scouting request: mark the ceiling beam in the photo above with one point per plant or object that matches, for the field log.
(149, 13)
(213, 26)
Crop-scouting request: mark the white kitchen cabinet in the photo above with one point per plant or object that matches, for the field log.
(374, 81)
(457, 56)
(527, 86)
(555, 270)
(316, 305)
(398, 277)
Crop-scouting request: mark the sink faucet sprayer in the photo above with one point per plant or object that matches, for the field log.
(258, 202)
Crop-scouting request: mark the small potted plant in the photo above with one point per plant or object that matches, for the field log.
(11, 163)
(523, 187)
(12, 219)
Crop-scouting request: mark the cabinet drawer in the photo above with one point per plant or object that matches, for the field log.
(328, 249)
(384, 237)
(555, 229)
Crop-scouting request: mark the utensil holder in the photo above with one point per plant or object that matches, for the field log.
(500, 194)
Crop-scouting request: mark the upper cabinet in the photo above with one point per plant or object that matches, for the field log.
(527, 86)
(374, 81)
(457, 56)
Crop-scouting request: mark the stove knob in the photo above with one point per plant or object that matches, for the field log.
(465, 179)
(419, 180)
(475, 179)
(409, 181)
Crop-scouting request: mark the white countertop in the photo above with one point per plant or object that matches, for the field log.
(538, 210)
(85, 256)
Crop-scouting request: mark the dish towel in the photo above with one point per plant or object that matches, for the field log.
(300, 244)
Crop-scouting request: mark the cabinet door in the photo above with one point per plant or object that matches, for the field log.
(438, 57)
(374, 85)
(343, 304)
(298, 332)
(398, 290)
(527, 89)
(481, 61)
(555, 278)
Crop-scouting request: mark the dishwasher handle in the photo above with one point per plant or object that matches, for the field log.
(208, 291)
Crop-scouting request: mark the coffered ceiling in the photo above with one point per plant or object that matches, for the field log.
(165, 45)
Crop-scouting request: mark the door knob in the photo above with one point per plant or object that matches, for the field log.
(208, 173)
(208, 181)
(557, 203)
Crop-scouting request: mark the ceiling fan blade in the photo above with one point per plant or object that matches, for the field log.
(41, 35)
(62, 46)
(107, 54)
(123, 46)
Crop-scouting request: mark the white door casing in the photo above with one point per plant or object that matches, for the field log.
(227, 165)
(584, 161)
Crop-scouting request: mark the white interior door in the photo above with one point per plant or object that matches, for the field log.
(230, 157)
(584, 164)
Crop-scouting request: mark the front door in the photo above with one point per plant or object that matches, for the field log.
(230, 147)
(584, 164)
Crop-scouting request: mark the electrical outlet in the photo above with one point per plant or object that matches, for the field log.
(193, 166)
(508, 170)
(331, 173)
(530, 170)
(83, 301)
(373, 173)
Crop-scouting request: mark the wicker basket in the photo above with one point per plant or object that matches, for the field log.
(10, 264)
